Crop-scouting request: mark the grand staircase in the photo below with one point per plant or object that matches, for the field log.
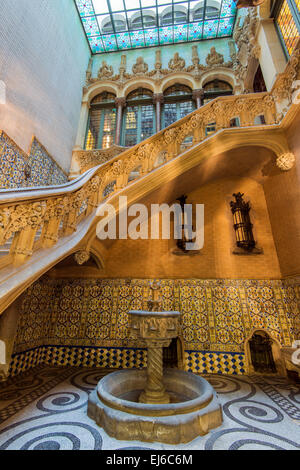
(41, 226)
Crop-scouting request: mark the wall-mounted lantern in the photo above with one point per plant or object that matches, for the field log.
(185, 227)
(242, 223)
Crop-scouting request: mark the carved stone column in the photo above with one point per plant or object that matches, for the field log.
(155, 330)
(158, 100)
(155, 391)
(198, 97)
(120, 104)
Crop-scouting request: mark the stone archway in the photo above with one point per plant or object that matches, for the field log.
(268, 352)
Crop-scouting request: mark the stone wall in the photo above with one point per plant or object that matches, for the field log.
(43, 59)
(85, 322)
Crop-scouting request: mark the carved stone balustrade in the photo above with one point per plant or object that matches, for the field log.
(86, 159)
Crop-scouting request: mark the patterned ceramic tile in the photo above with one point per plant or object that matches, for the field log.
(217, 317)
(13, 161)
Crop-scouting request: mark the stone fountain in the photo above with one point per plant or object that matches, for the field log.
(155, 405)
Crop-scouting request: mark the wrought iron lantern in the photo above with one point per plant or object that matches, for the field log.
(181, 243)
(242, 223)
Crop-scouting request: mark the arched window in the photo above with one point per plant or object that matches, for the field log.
(119, 24)
(139, 117)
(216, 88)
(210, 12)
(102, 122)
(178, 102)
(147, 20)
(180, 16)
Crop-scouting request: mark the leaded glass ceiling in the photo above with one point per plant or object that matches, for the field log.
(114, 25)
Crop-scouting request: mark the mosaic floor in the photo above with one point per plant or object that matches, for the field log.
(45, 409)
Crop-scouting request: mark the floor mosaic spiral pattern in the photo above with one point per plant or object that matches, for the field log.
(45, 409)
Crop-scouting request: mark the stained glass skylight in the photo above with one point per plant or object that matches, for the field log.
(114, 25)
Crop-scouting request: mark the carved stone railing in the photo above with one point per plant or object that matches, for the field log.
(56, 212)
(87, 159)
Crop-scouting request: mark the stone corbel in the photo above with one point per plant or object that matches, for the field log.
(82, 257)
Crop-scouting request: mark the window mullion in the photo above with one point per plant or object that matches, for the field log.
(139, 124)
(100, 138)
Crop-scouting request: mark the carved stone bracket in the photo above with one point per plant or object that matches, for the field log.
(82, 257)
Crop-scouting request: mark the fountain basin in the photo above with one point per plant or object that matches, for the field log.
(194, 408)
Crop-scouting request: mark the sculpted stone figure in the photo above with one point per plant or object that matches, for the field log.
(106, 71)
(177, 63)
(214, 58)
(140, 66)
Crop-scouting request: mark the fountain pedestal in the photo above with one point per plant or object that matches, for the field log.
(155, 330)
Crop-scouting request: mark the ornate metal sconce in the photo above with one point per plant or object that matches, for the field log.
(242, 224)
(181, 243)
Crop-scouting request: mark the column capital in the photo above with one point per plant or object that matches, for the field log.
(198, 93)
(158, 98)
(120, 102)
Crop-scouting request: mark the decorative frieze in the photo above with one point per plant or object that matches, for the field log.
(175, 65)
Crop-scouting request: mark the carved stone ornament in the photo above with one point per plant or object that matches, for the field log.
(214, 58)
(82, 257)
(90, 158)
(106, 71)
(286, 161)
(248, 3)
(177, 63)
(140, 66)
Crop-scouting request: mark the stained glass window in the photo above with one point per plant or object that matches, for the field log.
(139, 118)
(102, 122)
(112, 25)
(178, 103)
(288, 24)
(214, 89)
